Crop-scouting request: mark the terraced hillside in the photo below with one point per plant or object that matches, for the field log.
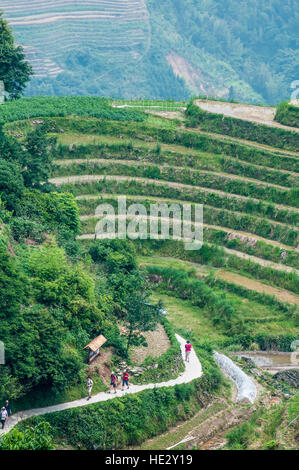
(242, 287)
(116, 31)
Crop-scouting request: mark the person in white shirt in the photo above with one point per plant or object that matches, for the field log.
(89, 385)
(3, 416)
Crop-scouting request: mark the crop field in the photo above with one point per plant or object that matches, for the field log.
(249, 189)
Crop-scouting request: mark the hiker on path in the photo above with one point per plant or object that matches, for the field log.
(125, 380)
(3, 416)
(89, 385)
(188, 348)
(113, 382)
(7, 407)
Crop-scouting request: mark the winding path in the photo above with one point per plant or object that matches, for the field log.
(193, 370)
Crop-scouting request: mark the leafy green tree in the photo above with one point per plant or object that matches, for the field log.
(58, 211)
(15, 71)
(10, 387)
(118, 259)
(58, 284)
(12, 294)
(37, 438)
(11, 149)
(39, 160)
(11, 184)
(140, 317)
(4, 214)
(12, 291)
(33, 155)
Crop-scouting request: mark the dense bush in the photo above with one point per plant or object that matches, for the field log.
(33, 155)
(37, 438)
(57, 211)
(287, 114)
(48, 313)
(25, 228)
(11, 184)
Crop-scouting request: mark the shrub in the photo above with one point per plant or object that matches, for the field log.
(287, 114)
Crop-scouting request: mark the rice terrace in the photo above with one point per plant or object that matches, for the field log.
(129, 340)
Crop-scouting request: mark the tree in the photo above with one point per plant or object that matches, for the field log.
(15, 72)
(39, 159)
(33, 156)
(11, 184)
(11, 149)
(4, 214)
(12, 291)
(119, 261)
(140, 316)
(10, 387)
(12, 294)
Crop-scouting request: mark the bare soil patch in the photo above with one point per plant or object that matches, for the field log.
(158, 343)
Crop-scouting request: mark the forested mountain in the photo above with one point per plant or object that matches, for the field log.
(175, 48)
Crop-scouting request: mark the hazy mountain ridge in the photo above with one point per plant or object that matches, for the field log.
(174, 48)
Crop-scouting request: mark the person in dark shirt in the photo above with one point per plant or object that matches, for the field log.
(113, 382)
(7, 407)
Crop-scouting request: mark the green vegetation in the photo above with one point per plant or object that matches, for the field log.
(37, 438)
(15, 72)
(269, 429)
(287, 114)
(45, 106)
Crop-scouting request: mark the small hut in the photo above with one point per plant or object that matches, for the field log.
(94, 347)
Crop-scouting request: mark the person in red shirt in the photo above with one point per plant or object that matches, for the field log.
(113, 382)
(125, 380)
(188, 348)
